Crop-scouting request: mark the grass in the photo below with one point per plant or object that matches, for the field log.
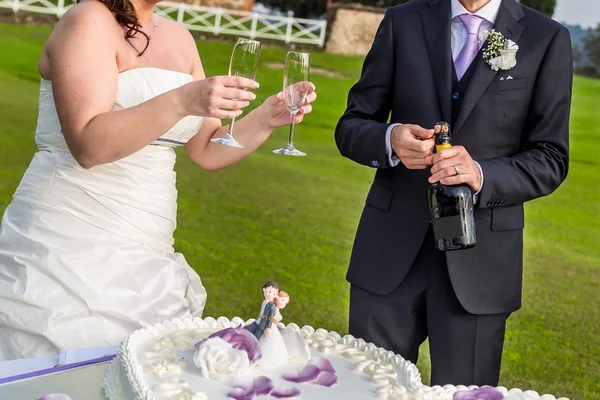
(294, 219)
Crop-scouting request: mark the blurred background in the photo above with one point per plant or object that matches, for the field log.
(293, 219)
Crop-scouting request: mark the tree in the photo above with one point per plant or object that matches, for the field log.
(543, 6)
(300, 8)
(316, 8)
(378, 3)
(591, 49)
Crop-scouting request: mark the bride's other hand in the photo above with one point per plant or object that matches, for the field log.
(275, 110)
(221, 97)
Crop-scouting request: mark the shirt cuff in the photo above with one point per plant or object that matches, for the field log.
(476, 194)
(393, 159)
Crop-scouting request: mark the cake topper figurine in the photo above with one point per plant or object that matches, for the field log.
(273, 346)
(262, 325)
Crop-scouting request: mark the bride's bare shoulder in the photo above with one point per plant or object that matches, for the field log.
(88, 11)
(89, 17)
(88, 23)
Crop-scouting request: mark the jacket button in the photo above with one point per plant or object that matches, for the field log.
(375, 163)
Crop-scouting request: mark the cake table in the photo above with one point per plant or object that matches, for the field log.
(82, 383)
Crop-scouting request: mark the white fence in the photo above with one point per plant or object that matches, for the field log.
(217, 21)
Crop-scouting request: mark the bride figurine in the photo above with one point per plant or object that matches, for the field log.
(273, 347)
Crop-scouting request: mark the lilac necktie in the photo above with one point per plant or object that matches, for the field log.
(471, 47)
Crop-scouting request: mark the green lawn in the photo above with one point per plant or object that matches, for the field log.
(293, 220)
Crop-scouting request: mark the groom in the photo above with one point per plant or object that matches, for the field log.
(262, 325)
(511, 137)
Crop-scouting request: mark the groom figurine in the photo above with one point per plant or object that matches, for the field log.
(509, 120)
(262, 325)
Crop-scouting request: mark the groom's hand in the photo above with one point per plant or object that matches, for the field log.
(444, 171)
(412, 144)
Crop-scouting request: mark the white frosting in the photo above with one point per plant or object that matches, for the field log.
(158, 363)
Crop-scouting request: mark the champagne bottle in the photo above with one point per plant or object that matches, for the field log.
(451, 207)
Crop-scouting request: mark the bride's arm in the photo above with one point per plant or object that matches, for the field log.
(251, 131)
(82, 55)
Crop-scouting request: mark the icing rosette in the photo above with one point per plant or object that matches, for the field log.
(217, 358)
(240, 339)
(55, 396)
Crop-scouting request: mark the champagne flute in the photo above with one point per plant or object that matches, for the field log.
(244, 63)
(296, 76)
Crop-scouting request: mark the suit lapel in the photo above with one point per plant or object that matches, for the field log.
(436, 28)
(507, 23)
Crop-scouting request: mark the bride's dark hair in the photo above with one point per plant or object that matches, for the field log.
(127, 17)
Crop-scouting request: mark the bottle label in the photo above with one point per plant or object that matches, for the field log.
(448, 227)
(440, 147)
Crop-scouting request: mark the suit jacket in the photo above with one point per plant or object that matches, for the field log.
(269, 313)
(517, 129)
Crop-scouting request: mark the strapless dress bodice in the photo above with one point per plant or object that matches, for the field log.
(134, 197)
(135, 87)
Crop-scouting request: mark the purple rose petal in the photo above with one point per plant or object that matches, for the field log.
(263, 386)
(306, 374)
(322, 363)
(240, 339)
(238, 393)
(482, 393)
(285, 393)
(55, 396)
(326, 378)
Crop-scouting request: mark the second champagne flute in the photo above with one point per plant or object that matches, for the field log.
(244, 63)
(296, 77)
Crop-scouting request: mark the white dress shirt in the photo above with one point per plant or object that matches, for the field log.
(459, 34)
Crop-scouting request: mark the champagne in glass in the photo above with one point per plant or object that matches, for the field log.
(296, 85)
(244, 63)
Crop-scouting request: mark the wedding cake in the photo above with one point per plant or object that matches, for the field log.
(199, 359)
(164, 362)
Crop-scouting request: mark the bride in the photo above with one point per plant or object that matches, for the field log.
(86, 245)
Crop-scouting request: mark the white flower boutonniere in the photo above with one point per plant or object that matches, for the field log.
(500, 53)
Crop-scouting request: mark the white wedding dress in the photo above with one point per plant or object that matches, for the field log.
(274, 352)
(86, 256)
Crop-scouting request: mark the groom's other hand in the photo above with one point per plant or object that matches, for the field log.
(412, 144)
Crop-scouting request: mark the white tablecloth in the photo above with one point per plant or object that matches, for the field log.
(69, 372)
(79, 384)
(69, 356)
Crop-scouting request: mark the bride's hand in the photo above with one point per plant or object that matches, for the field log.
(220, 97)
(276, 113)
